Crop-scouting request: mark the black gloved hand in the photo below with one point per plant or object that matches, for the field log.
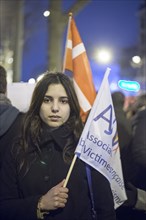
(131, 192)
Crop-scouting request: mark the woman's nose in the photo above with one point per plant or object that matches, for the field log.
(55, 107)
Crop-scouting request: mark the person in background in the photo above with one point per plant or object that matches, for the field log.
(124, 128)
(133, 160)
(10, 116)
(138, 104)
(138, 154)
(124, 125)
(136, 190)
(32, 177)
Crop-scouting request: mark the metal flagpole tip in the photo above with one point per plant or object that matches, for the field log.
(70, 14)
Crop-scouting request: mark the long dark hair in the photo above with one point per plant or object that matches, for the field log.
(32, 124)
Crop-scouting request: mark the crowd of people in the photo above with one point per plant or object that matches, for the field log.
(37, 148)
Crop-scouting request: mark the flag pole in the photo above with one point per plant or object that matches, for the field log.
(69, 22)
(70, 170)
(75, 156)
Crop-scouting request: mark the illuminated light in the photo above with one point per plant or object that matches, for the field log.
(46, 13)
(136, 59)
(31, 80)
(104, 56)
(113, 86)
(10, 60)
(129, 85)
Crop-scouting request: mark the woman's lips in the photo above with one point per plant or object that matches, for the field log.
(54, 117)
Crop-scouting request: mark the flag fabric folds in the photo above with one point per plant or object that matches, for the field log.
(77, 62)
(98, 144)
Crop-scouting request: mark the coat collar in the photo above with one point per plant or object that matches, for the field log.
(58, 135)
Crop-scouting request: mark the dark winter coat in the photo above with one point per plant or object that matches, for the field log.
(124, 128)
(137, 159)
(20, 191)
(10, 123)
(138, 149)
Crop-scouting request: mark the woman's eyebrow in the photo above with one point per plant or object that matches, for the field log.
(48, 96)
(64, 97)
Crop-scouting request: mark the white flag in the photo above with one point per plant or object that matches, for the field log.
(98, 144)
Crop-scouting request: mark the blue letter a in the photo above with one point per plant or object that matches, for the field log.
(108, 120)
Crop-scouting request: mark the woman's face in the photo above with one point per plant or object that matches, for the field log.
(55, 109)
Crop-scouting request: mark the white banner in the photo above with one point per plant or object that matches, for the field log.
(20, 94)
(98, 145)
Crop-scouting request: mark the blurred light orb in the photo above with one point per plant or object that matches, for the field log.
(104, 56)
(31, 80)
(113, 86)
(136, 59)
(46, 13)
(10, 60)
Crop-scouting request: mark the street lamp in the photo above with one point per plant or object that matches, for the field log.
(46, 13)
(136, 61)
(103, 56)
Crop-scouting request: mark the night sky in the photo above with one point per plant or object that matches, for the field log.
(101, 23)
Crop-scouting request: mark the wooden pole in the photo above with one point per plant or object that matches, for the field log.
(70, 170)
(69, 22)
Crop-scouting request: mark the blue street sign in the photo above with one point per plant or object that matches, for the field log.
(129, 85)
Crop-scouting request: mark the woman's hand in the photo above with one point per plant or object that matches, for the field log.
(55, 198)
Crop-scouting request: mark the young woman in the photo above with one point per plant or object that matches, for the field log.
(32, 176)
